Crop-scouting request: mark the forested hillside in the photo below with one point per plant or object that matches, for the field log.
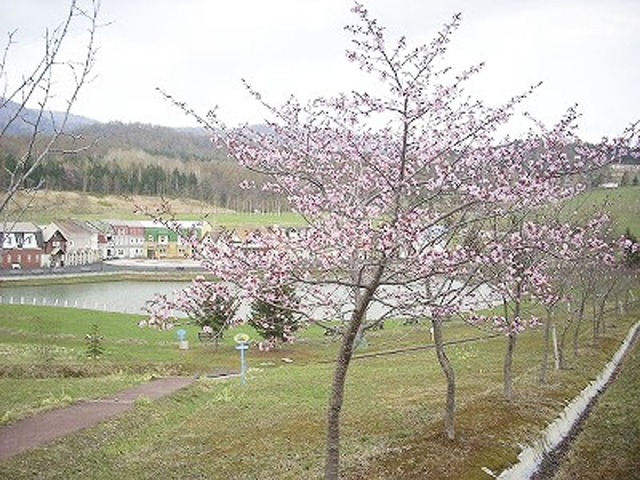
(139, 159)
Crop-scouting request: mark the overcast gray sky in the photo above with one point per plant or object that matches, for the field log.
(585, 51)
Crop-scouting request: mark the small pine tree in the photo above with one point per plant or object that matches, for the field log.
(94, 340)
(215, 313)
(273, 322)
(635, 181)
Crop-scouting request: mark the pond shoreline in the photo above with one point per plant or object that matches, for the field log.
(100, 277)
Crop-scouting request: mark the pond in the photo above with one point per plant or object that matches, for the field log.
(128, 296)
(124, 297)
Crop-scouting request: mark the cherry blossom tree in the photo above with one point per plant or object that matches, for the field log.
(528, 263)
(389, 183)
(510, 269)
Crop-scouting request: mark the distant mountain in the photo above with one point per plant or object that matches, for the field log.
(185, 143)
(181, 143)
(258, 127)
(200, 131)
(50, 119)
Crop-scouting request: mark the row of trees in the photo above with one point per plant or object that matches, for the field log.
(107, 177)
(412, 201)
(215, 182)
(214, 308)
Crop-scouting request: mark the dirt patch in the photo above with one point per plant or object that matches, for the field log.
(480, 443)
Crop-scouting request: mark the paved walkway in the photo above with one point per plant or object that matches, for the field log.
(47, 426)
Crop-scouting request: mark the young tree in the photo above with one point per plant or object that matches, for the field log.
(273, 322)
(211, 306)
(525, 264)
(511, 269)
(94, 340)
(389, 183)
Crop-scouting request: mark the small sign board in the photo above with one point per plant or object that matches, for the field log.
(181, 334)
(241, 338)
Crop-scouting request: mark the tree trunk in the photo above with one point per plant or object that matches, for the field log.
(545, 353)
(507, 367)
(576, 333)
(561, 361)
(511, 346)
(450, 410)
(332, 462)
(360, 340)
(603, 306)
(594, 315)
(556, 354)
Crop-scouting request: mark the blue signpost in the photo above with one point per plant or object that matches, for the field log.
(242, 340)
(182, 343)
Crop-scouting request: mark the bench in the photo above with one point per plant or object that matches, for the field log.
(206, 336)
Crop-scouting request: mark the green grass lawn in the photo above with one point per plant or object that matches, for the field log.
(229, 220)
(608, 445)
(35, 336)
(49, 205)
(622, 204)
(254, 220)
(273, 427)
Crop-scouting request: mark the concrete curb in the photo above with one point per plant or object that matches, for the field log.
(530, 459)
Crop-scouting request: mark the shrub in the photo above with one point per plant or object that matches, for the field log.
(94, 343)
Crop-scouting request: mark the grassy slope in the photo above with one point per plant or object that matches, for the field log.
(51, 204)
(609, 444)
(622, 204)
(39, 342)
(274, 426)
